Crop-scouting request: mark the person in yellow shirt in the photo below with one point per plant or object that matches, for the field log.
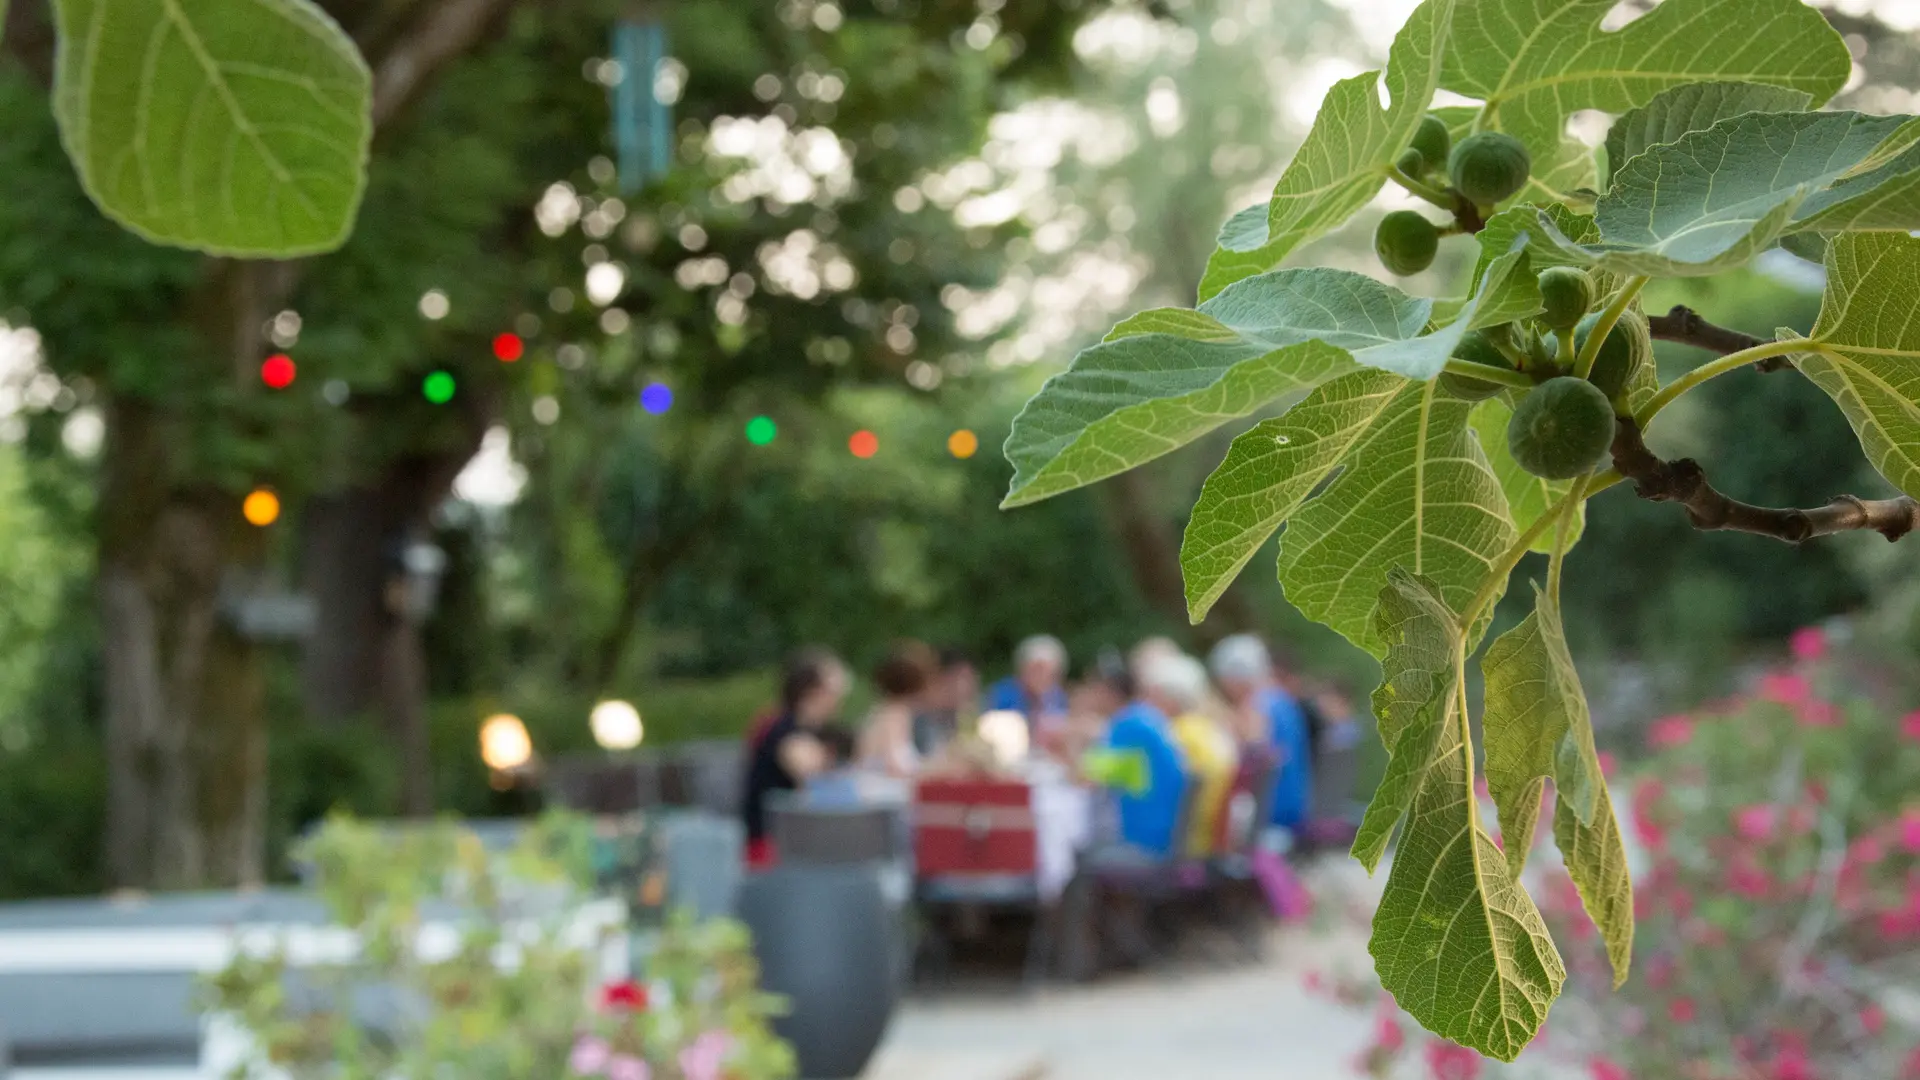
(1177, 685)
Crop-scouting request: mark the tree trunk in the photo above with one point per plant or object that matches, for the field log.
(185, 724)
(365, 653)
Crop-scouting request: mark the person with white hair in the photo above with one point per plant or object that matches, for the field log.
(1034, 690)
(1150, 810)
(1272, 717)
(1176, 684)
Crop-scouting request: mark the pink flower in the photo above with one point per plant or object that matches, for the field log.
(1754, 822)
(1790, 1063)
(1670, 731)
(1607, 763)
(1386, 1032)
(623, 1067)
(1910, 832)
(1808, 643)
(701, 1060)
(1785, 689)
(1910, 725)
(1748, 880)
(1681, 1010)
(1451, 1061)
(1817, 714)
(589, 1056)
(1873, 1019)
(1602, 1069)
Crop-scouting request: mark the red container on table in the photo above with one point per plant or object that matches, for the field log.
(973, 827)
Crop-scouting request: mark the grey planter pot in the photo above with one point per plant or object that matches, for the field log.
(826, 939)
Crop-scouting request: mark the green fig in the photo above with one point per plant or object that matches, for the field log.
(1562, 428)
(1566, 293)
(1628, 345)
(1432, 140)
(1412, 162)
(1489, 168)
(1476, 348)
(1406, 242)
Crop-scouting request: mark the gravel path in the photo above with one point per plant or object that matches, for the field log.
(1186, 1023)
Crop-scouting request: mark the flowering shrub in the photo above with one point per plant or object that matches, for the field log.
(481, 965)
(1776, 842)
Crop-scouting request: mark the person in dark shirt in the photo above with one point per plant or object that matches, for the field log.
(790, 750)
(952, 698)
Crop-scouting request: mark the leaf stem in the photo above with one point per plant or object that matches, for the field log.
(1488, 373)
(1575, 494)
(1713, 369)
(1490, 585)
(1566, 357)
(1583, 364)
(1421, 188)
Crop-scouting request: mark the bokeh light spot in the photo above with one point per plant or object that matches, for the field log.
(864, 444)
(761, 430)
(437, 387)
(508, 347)
(963, 443)
(261, 507)
(277, 371)
(656, 398)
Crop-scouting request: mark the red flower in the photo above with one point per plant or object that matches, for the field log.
(1681, 1010)
(1670, 731)
(624, 995)
(1808, 643)
(1607, 762)
(1910, 725)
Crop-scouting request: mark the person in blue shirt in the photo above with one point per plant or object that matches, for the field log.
(1243, 670)
(1150, 816)
(1034, 689)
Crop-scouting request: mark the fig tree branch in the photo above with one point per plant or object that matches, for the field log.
(1685, 482)
(1688, 327)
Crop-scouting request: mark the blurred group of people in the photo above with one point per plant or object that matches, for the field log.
(1146, 724)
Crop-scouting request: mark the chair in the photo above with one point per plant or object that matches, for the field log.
(975, 843)
(1242, 823)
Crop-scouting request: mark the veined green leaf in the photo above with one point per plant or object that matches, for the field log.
(1694, 107)
(1536, 727)
(1415, 491)
(1535, 715)
(1522, 219)
(1596, 859)
(236, 127)
(1528, 496)
(1715, 198)
(1343, 162)
(1415, 701)
(1165, 377)
(1458, 943)
(1269, 472)
(1869, 355)
(1534, 62)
